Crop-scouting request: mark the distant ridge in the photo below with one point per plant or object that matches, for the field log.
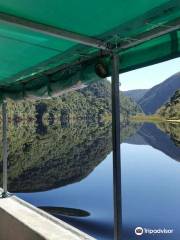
(159, 94)
(136, 94)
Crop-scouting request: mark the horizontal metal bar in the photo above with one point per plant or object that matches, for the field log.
(89, 41)
(149, 35)
(53, 31)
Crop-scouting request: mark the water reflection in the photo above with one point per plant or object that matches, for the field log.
(67, 169)
(71, 212)
(162, 136)
(41, 129)
(59, 156)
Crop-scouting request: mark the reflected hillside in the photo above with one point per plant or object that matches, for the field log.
(172, 129)
(44, 157)
(54, 157)
(163, 136)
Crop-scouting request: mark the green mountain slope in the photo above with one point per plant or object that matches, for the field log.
(159, 94)
(171, 110)
(92, 102)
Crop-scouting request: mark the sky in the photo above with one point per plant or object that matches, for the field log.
(145, 78)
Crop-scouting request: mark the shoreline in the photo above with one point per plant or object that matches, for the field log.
(173, 120)
(153, 119)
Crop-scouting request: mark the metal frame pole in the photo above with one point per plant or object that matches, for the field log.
(116, 147)
(5, 148)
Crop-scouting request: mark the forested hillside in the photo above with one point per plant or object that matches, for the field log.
(171, 110)
(92, 102)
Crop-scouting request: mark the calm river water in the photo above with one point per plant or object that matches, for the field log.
(70, 167)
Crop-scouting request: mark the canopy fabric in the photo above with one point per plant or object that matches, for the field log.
(35, 63)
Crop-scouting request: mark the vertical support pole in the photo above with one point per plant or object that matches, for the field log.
(5, 148)
(116, 147)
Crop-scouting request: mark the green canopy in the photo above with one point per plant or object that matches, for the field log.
(46, 46)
